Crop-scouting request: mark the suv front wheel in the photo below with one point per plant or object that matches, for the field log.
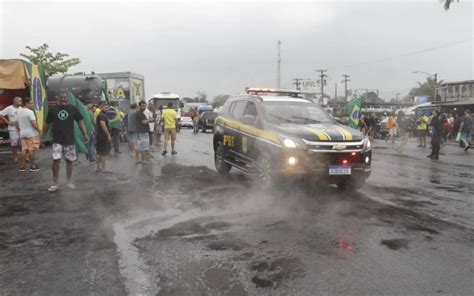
(219, 160)
(265, 177)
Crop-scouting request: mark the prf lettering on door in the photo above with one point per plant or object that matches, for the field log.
(228, 141)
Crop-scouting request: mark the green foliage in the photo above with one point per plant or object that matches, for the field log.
(219, 100)
(372, 97)
(426, 88)
(51, 63)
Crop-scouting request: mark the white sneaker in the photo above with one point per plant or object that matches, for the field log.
(70, 186)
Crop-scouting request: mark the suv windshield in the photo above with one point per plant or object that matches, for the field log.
(294, 112)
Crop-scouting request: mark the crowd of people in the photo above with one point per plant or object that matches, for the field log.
(441, 127)
(142, 127)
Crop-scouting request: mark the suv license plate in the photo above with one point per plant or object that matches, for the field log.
(339, 170)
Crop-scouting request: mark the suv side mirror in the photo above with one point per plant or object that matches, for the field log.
(249, 120)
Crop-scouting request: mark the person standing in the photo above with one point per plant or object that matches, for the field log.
(115, 129)
(90, 145)
(195, 118)
(150, 114)
(465, 129)
(142, 137)
(104, 139)
(392, 130)
(158, 126)
(62, 118)
(436, 133)
(29, 135)
(403, 126)
(9, 115)
(421, 126)
(170, 120)
(131, 127)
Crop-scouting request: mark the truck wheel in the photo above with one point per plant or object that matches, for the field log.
(222, 167)
(265, 176)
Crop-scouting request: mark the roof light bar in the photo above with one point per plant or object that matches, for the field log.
(260, 90)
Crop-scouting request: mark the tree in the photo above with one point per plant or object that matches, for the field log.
(219, 100)
(201, 97)
(447, 3)
(426, 88)
(51, 63)
(372, 97)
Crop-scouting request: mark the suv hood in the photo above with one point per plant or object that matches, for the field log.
(329, 132)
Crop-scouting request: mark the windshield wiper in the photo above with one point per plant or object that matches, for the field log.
(306, 119)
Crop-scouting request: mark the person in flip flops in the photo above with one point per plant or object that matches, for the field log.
(61, 118)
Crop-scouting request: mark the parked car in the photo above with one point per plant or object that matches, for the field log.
(206, 121)
(186, 121)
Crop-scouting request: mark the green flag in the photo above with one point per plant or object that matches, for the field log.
(78, 137)
(353, 111)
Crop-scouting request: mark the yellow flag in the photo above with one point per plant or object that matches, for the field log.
(38, 94)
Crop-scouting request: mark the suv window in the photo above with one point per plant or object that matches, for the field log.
(250, 109)
(237, 109)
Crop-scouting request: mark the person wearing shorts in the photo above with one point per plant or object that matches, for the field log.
(29, 135)
(61, 118)
(142, 144)
(9, 115)
(169, 121)
(104, 138)
(131, 126)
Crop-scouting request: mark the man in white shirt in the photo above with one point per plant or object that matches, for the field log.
(150, 114)
(9, 116)
(29, 135)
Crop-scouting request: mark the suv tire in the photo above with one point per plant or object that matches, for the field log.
(222, 167)
(265, 177)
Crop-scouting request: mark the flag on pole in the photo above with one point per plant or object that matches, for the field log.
(81, 146)
(38, 93)
(353, 111)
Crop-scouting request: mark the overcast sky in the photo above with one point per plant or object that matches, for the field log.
(222, 48)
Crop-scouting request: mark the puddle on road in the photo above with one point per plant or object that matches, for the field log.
(395, 244)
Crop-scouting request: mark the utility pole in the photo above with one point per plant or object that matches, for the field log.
(279, 64)
(297, 82)
(321, 77)
(335, 91)
(346, 79)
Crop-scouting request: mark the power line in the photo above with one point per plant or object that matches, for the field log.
(375, 61)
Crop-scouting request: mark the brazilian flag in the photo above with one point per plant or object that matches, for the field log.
(353, 111)
(81, 146)
(115, 121)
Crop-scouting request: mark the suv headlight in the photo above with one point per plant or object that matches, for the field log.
(291, 142)
(367, 144)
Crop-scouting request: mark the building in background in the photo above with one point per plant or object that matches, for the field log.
(455, 91)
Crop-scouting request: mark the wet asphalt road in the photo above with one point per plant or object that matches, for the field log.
(178, 228)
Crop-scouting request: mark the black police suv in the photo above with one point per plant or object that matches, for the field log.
(278, 135)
